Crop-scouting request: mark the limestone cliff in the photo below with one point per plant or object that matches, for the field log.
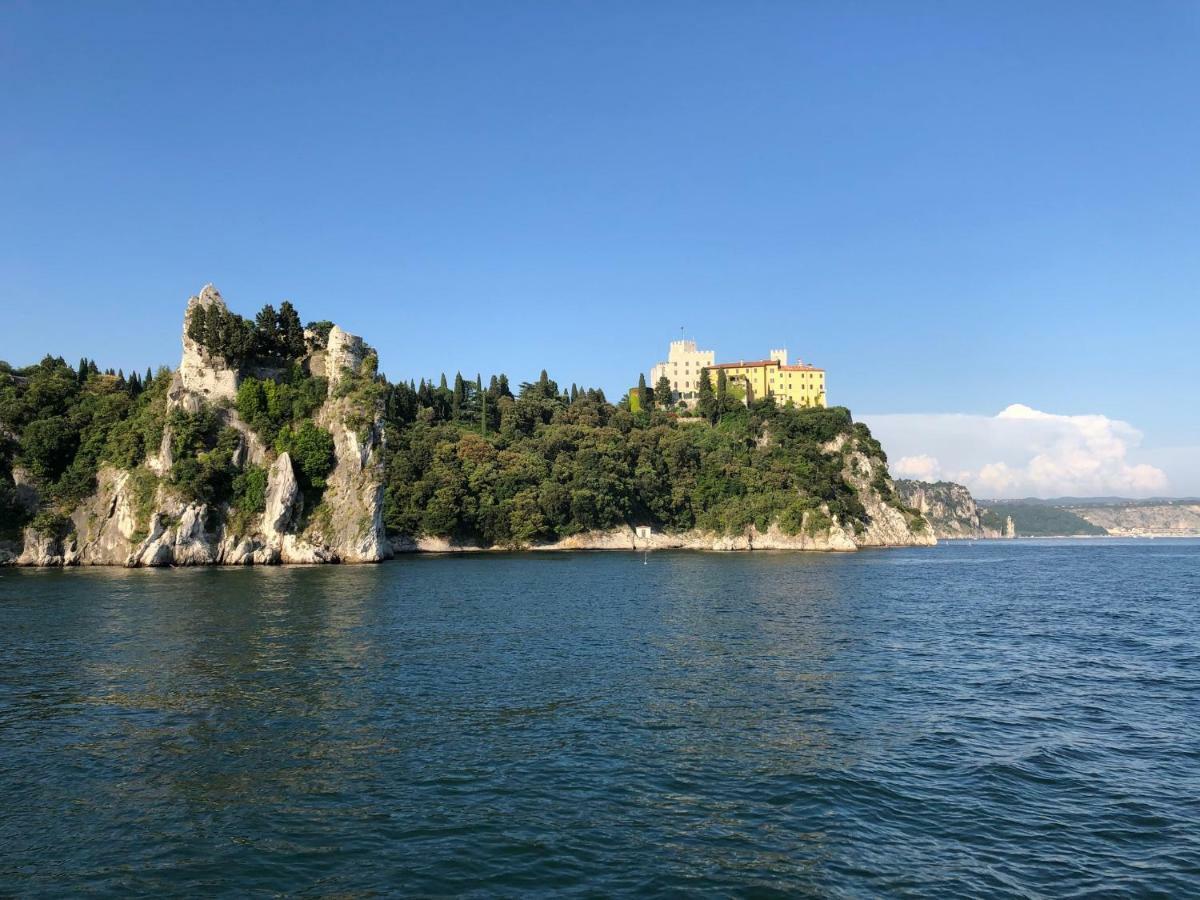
(137, 518)
(950, 509)
(1143, 519)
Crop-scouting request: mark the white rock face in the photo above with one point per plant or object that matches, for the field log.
(948, 507)
(344, 355)
(46, 550)
(282, 493)
(201, 376)
(354, 493)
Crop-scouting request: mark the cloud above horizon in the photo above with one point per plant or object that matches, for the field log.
(1020, 452)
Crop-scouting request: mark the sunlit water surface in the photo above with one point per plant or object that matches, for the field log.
(990, 719)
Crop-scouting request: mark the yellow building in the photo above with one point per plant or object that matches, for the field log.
(801, 384)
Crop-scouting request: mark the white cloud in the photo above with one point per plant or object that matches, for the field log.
(923, 467)
(1020, 452)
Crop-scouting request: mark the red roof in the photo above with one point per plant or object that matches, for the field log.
(743, 365)
(763, 362)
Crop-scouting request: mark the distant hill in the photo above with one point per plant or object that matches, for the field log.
(1034, 520)
(1072, 502)
(954, 513)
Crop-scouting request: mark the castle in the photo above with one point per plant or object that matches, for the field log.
(799, 384)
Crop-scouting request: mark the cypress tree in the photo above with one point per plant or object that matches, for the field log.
(505, 391)
(722, 392)
(706, 402)
(148, 380)
(456, 403)
(643, 394)
(662, 392)
(574, 392)
(82, 374)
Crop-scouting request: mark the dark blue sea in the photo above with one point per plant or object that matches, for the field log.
(993, 719)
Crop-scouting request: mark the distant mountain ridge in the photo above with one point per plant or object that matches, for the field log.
(1069, 502)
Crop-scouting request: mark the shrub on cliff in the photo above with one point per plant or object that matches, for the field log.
(311, 449)
(269, 405)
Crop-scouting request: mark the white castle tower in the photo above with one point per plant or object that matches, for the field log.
(682, 369)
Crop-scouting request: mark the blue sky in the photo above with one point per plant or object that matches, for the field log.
(954, 208)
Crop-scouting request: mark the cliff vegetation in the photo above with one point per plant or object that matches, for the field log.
(277, 442)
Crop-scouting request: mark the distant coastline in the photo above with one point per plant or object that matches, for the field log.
(955, 514)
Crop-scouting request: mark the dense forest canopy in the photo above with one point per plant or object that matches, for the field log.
(464, 458)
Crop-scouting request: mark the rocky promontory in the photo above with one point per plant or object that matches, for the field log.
(275, 442)
(150, 514)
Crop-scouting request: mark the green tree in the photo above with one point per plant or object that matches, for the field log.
(663, 396)
(48, 446)
(311, 449)
(644, 399)
(706, 403)
(457, 401)
(290, 331)
(266, 327)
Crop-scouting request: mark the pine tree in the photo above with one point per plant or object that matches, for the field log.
(266, 328)
(505, 391)
(291, 332)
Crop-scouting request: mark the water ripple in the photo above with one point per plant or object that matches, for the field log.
(1016, 719)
